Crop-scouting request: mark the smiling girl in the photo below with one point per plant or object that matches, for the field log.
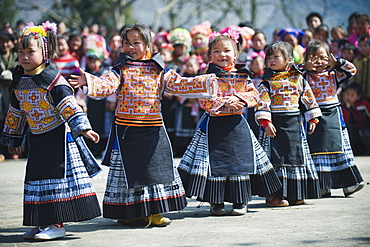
(224, 151)
(282, 92)
(142, 182)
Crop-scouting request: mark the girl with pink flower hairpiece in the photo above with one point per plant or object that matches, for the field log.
(224, 152)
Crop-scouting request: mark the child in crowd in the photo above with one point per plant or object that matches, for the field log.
(338, 35)
(168, 101)
(96, 108)
(356, 114)
(224, 151)
(306, 38)
(199, 35)
(186, 111)
(293, 37)
(7, 65)
(142, 180)
(329, 145)
(258, 46)
(181, 42)
(313, 20)
(76, 47)
(362, 64)
(257, 66)
(57, 186)
(322, 33)
(284, 94)
(348, 51)
(362, 24)
(66, 63)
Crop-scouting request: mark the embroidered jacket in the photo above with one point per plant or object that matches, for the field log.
(238, 84)
(324, 85)
(283, 92)
(42, 102)
(139, 85)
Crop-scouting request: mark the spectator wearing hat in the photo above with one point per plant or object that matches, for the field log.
(97, 109)
(293, 36)
(181, 41)
(199, 35)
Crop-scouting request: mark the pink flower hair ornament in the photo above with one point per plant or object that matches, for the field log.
(231, 33)
(40, 31)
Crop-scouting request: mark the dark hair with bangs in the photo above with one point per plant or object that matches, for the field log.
(284, 48)
(52, 43)
(219, 39)
(142, 29)
(313, 46)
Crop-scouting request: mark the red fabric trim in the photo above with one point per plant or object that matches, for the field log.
(264, 122)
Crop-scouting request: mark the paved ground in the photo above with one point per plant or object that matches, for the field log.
(334, 221)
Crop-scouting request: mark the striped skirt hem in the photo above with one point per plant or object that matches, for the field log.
(121, 202)
(298, 182)
(338, 170)
(68, 199)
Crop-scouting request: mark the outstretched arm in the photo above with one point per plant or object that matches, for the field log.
(78, 80)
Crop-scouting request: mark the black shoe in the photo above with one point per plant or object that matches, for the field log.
(218, 209)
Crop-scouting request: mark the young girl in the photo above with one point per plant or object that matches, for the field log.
(142, 181)
(257, 66)
(258, 46)
(57, 187)
(216, 166)
(186, 112)
(329, 145)
(278, 111)
(66, 63)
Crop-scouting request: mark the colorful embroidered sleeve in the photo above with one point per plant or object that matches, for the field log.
(72, 113)
(103, 86)
(14, 126)
(212, 106)
(312, 109)
(345, 70)
(263, 107)
(248, 94)
(202, 86)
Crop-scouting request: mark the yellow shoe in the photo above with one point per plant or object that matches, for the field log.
(2, 158)
(157, 220)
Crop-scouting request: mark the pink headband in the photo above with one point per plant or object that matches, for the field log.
(231, 33)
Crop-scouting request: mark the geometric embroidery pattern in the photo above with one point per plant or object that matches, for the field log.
(284, 95)
(139, 88)
(35, 103)
(229, 84)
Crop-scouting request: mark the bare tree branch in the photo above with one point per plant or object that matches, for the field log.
(160, 11)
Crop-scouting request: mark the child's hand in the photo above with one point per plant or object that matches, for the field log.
(15, 150)
(332, 62)
(310, 64)
(92, 135)
(234, 102)
(270, 130)
(311, 127)
(78, 80)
